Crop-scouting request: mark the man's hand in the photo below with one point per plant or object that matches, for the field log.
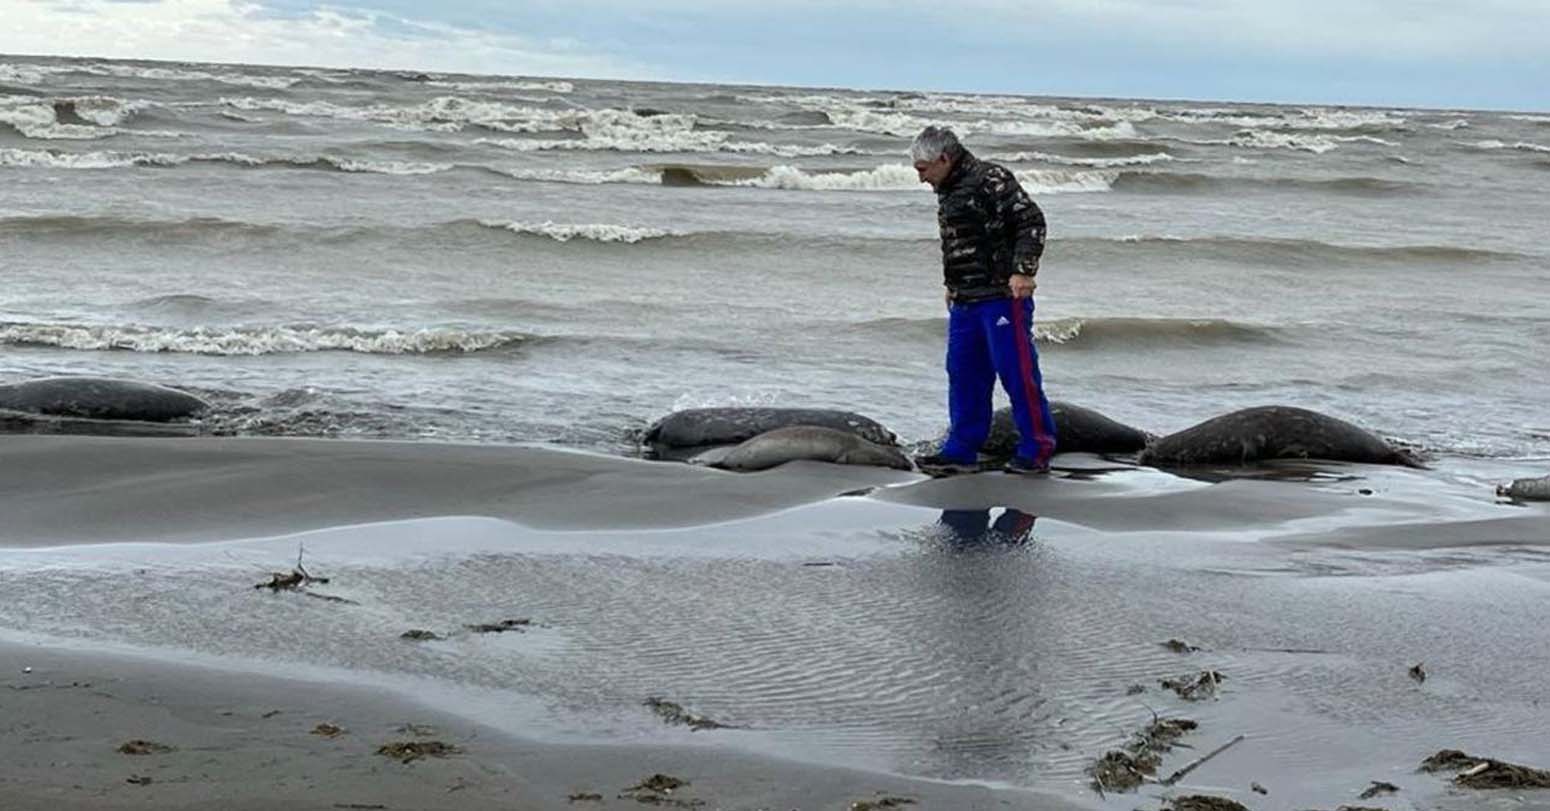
(1023, 285)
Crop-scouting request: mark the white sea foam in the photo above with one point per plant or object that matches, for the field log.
(1532, 119)
(1263, 139)
(631, 174)
(899, 177)
(254, 340)
(37, 74)
(492, 86)
(1308, 119)
(1096, 163)
(1455, 124)
(883, 178)
(38, 117)
(904, 125)
(37, 158)
(1521, 146)
(1364, 139)
(594, 232)
(668, 142)
(445, 113)
(53, 159)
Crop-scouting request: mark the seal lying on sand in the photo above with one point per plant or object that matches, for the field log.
(1273, 432)
(100, 398)
(811, 442)
(1527, 489)
(683, 434)
(1077, 430)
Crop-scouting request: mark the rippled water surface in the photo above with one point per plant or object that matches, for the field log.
(539, 259)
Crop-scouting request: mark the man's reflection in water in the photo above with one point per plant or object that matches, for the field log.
(968, 528)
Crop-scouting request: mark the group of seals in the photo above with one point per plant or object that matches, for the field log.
(747, 439)
(760, 438)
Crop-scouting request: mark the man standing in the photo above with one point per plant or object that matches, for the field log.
(992, 238)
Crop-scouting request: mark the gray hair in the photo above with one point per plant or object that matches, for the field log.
(934, 142)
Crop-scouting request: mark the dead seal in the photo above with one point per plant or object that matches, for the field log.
(1272, 432)
(812, 442)
(100, 398)
(684, 434)
(1527, 489)
(1077, 430)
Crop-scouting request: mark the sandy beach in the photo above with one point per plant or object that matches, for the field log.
(975, 642)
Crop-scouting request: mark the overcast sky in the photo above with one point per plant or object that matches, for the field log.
(1434, 53)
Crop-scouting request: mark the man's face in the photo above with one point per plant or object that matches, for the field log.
(935, 171)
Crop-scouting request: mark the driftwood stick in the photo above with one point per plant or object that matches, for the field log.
(1179, 775)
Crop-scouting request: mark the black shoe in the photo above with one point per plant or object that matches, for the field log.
(936, 464)
(1025, 467)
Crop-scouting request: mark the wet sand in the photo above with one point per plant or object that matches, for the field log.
(861, 623)
(245, 742)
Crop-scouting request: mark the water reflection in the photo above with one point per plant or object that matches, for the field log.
(974, 528)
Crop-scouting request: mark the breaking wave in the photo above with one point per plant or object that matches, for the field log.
(55, 159)
(256, 340)
(38, 74)
(498, 86)
(592, 232)
(72, 118)
(1094, 333)
(1089, 333)
(1521, 146)
(1145, 159)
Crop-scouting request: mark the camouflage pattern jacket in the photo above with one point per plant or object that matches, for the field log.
(991, 229)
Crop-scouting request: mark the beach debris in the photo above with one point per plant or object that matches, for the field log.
(419, 635)
(585, 797)
(1202, 802)
(329, 598)
(1478, 772)
(328, 730)
(359, 805)
(1258, 789)
(658, 790)
(410, 751)
(139, 747)
(676, 715)
(1135, 689)
(26, 670)
(1179, 646)
(298, 576)
(1179, 775)
(1195, 688)
(1126, 769)
(1378, 787)
(1366, 491)
(881, 803)
(139, 780)
(500, 627)
(270, 714)
(1418, 673)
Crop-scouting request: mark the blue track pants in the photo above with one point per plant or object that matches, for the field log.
(987, 339)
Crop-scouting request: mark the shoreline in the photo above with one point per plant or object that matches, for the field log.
(820, 605)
